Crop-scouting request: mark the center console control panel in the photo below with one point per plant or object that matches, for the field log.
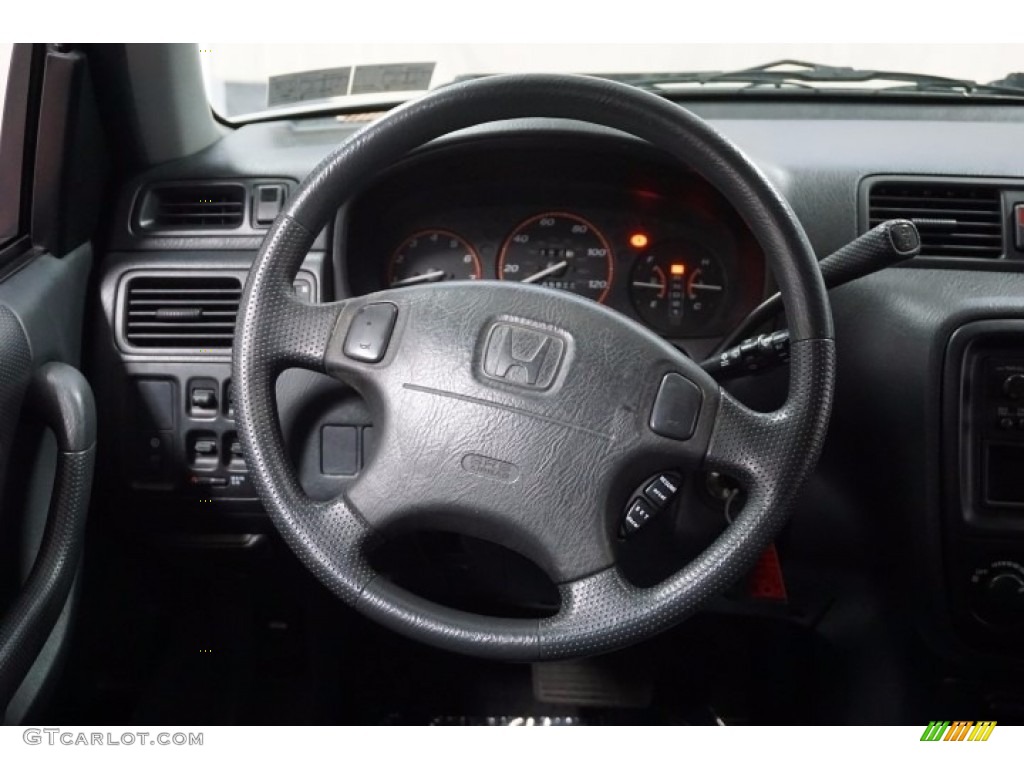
(983, 482)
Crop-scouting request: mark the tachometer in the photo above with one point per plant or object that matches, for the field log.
(432, 255)
(559, 250)
(677, 287)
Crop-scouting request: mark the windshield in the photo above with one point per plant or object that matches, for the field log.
(249, 80)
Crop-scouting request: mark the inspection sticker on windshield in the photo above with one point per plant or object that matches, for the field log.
(387, 78)
(308, 86)
(320, 84)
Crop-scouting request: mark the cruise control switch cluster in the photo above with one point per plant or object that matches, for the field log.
(654, 495)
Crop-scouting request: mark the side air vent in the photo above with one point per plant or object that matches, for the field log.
(955, 220)
(187, 207)
(192, 312)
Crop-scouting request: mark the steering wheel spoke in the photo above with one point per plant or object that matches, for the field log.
(277, 328)
(302, 333)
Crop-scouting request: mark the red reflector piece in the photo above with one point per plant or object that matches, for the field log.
(1019, 238)
(766, 582)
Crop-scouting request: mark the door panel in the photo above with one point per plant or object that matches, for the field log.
(41, 538)
(47, 416)
(15, 372)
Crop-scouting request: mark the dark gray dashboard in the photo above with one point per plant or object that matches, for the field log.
(891, 467)
(817, 154)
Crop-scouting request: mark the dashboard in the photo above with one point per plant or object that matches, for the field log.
(901, 484)
(652, 241)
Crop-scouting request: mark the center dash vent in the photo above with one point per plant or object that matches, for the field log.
(192, 206)
(955, 220)
(195, 312)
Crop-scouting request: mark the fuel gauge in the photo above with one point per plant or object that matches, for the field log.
(677, 287)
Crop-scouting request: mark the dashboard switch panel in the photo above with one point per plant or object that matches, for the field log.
(151, 457)
(203, 398)
(154, 404)
(267, 201)
(997, 434)
(234, 458)
(987, 424)
(203, 450)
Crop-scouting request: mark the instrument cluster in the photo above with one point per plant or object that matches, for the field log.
(665, 249)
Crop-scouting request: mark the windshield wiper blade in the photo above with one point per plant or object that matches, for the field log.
(804, 74)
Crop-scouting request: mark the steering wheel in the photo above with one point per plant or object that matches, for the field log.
(520, 414)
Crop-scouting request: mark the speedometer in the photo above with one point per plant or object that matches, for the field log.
(559, 250)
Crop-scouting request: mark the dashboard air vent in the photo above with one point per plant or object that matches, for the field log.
(187, 312)
(192, 206)
(955, 220)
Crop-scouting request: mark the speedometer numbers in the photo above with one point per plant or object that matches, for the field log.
(433, 255)
(677, 287)
(559, 250)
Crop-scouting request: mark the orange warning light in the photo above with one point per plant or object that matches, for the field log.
(638, 240)
(677, 269)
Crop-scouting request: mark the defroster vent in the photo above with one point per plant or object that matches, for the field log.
(186, 207)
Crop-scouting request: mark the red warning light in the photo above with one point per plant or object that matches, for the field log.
(638, 240)
(677, 269)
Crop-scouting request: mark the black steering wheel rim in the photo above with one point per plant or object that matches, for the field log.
(771, 454)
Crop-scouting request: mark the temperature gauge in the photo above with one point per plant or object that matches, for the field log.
(677, 287)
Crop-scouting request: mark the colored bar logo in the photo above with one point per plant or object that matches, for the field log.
(958, 730)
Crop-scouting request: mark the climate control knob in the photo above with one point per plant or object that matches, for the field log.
(999, 593)
(1013, 386)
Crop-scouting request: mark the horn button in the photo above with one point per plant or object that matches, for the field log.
(502, 423)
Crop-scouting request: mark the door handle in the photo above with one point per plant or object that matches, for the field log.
(60, 396)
